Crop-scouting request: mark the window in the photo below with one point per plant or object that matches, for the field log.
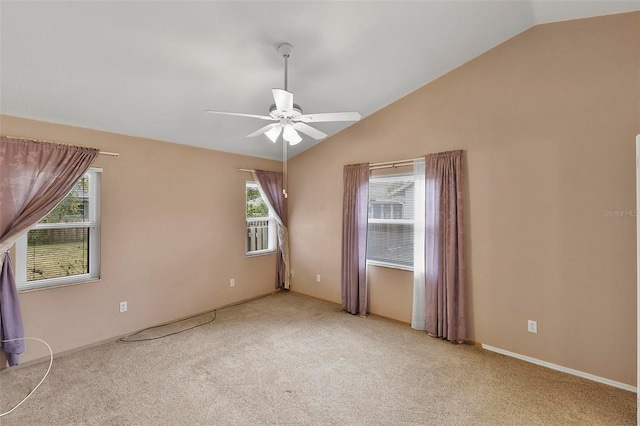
(390, 229)
(261, 233)
(64, 248)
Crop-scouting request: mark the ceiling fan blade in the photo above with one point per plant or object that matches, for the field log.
(239, 114)
(262, 130)
(309, 131)
(283, 99)
(330, 116)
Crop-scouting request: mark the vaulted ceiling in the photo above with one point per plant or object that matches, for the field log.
(151, 69)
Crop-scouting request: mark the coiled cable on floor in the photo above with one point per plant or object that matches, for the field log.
(126, 339)
(45, 374)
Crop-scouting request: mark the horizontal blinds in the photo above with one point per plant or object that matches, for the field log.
(390, 228)
(54, 253)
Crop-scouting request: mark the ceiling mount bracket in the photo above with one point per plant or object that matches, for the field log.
(285, 49)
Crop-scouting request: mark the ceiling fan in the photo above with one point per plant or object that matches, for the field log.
(287, 117)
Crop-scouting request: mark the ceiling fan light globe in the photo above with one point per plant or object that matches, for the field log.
(290, 135)
(295, 140)
(273, 133)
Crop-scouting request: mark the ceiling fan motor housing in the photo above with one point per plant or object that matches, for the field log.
(295, 113)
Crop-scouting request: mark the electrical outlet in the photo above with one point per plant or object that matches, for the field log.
(532, 326)
(318, 278)
(123, 307)
(232, 282)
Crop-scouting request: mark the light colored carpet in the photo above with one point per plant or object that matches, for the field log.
(290, 359)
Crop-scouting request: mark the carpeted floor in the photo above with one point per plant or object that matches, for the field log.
(290, 359)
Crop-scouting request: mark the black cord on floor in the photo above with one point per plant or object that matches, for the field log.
(214, 312)
(126, 339)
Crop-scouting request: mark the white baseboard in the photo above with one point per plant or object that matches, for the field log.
(563, 369)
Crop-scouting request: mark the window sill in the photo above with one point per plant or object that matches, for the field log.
(389, 265)
(28, 288)
(260, 253)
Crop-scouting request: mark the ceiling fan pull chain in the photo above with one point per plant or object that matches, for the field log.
(284, 168)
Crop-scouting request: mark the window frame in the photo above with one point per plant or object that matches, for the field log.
(93, 225)
(388, 221)
(271, 220)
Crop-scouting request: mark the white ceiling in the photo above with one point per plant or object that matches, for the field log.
(150, 69)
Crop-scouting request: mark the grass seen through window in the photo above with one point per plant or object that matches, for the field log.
(54, 253)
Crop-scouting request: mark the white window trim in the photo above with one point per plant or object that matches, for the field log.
(392, 221)
(94, 255)
(260, 252)
(389, 265)
(271, 220)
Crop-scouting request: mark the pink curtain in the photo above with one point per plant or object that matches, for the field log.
(354, 238)
(444, 247)
(34, 177)
(271, 184)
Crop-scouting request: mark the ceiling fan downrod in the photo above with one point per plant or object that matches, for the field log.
(285, 49)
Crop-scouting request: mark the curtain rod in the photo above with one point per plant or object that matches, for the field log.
(110, 154)
(247, 170)
(390, 164)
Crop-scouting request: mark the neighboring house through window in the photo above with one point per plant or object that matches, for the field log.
(64, 248)
(260, 233)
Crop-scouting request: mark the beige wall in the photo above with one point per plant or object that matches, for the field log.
(548, 121)
(172, 237)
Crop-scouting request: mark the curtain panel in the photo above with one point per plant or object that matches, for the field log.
(271, 185)
(444, 246)
(354, 238)
(419, 301)
(34, 177)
